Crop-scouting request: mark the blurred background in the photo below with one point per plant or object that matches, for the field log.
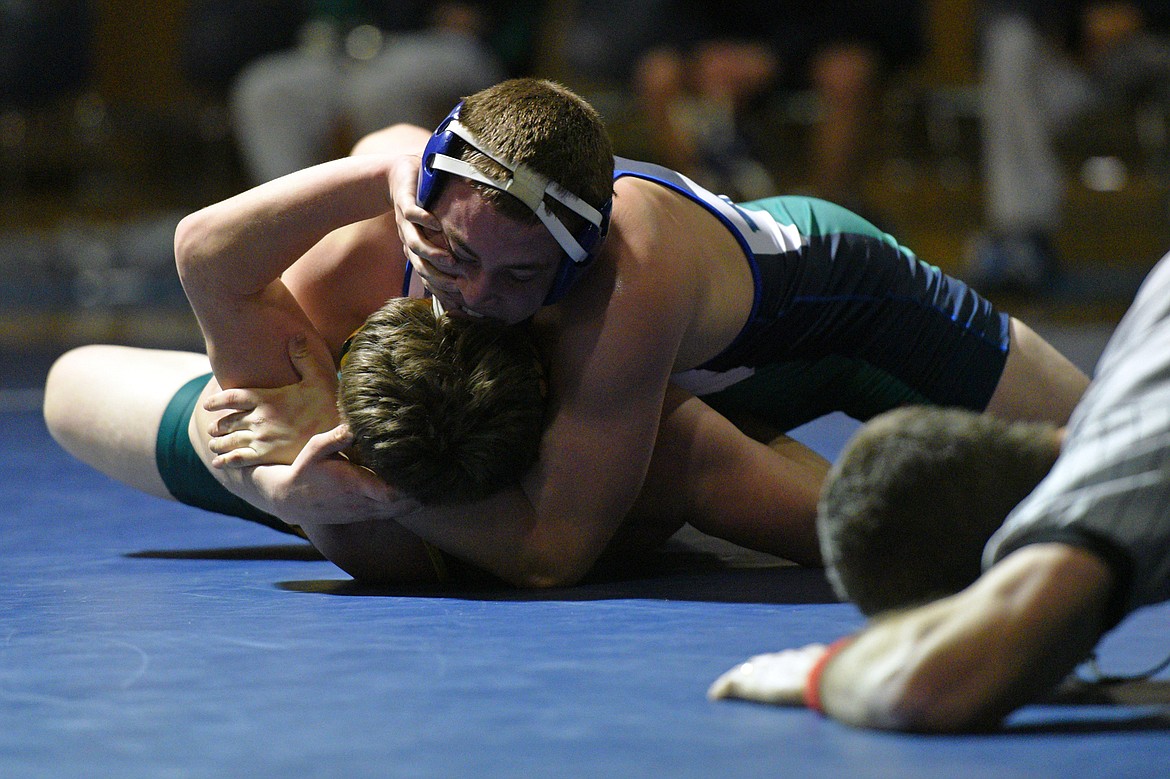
(117, 117)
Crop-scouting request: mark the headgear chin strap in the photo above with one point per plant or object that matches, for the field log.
(529, 187)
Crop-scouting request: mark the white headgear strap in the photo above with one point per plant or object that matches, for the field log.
(528, 186)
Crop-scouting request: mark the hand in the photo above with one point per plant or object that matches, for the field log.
(271, 426)
(321, 487)
(432, 261)
(777, 678)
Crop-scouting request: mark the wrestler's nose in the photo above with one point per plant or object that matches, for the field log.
(476, 288)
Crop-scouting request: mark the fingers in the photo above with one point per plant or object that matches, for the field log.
(235, 450)
(414, 214)
(777, 678)
(323, 445)
(302, 360)
(235, 457)
(414, 223)
(222, 443)
(232, 400)
(404, 190)
(229, 423)
(434, 279)
(422, 253)
(395, 507)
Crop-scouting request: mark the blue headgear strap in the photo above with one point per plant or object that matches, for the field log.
(530, 187)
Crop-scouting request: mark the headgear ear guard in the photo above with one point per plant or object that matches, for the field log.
(526, 184)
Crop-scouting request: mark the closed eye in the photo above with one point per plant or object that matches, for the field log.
(523, 274)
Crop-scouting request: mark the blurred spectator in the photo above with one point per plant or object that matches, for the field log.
(46, 50)
(721, 60)
(602, 40)
(363, 64)
(1045, 63)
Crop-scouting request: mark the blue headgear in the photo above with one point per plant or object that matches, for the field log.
(526, 184)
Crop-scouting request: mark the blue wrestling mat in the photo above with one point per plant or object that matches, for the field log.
(140, 638)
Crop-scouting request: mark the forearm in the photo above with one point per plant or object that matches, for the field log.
(239, 245)
(230, 257)
(965, 662)
(376, 552)
(319, 486)
(504, 535)
(551, 528)
(270, 489)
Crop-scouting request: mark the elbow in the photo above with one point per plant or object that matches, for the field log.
(545, 578)
(922, 702)
(547, 573)
(190, 239)
(399, 138)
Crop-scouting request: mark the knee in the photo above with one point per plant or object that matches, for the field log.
(66, 378)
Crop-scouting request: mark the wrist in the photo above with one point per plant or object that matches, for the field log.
(812, 684)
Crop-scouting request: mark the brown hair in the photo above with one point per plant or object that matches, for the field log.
(908, 507)
(444, 409)
(548, 128)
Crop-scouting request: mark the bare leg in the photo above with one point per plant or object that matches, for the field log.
(103, 405)
(1038, 382)
(707, 472)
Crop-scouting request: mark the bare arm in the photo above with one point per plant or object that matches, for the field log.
(703, 471)
(619, 334)
(594, 455)
(230, 257)
(708, 473)
(961, 663)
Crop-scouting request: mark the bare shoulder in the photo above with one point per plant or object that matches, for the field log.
(395, 139)
(348, 274)
(636, 304)
(680, 263)
(664, 235)
(651, 209)
(641, 274)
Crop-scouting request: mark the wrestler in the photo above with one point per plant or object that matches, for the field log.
(452, 407)
(648, 287)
